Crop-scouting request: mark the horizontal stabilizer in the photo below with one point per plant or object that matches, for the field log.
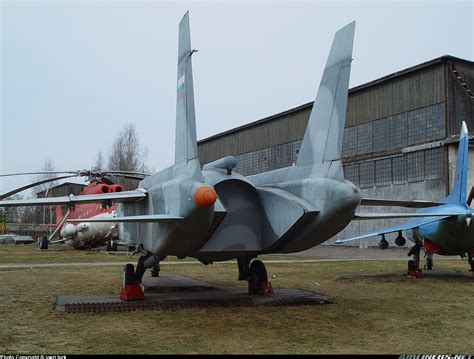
(367, 216)
(116, 197)
(144, 218)
(403, 227)
(399, 203)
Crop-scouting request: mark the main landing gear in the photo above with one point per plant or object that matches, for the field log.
(255, 274)
(414, 270)
(132, 278)
(429, 261)
(111, 246)
(470, 259)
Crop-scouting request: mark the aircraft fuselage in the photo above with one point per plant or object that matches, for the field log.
(252, 215)
(450, 236)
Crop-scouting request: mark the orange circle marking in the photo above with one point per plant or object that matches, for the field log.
(205, 196)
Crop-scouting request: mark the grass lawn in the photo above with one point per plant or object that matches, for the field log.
(418, 316)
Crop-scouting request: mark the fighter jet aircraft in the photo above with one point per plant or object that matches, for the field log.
(215, 214)
(446, 234)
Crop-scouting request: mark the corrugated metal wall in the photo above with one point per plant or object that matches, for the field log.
(460, 105)
(285, 129)
(413, 90)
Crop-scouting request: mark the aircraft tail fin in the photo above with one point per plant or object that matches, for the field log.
(322, 140)
(186, 139)
(458, 194)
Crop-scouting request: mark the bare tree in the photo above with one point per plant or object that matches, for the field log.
(44, 190)
(47, 166)
(127, 154)
(15, 214)
(99, 162)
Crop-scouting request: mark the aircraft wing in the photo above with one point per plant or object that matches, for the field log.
(399, 203)
(367, 216)
(403, 227)
(144, 218)
(126, 196)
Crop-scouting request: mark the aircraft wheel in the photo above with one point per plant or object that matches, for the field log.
(43, 242)
(129, 274)
(114, 246)
(470, 259)
(429, 263)
(258, 275)
(108, 247)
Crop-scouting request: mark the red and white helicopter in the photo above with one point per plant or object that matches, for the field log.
(84, 234)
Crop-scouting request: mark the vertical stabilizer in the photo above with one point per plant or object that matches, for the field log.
(322, 140)
(458, 193)
(186, 140)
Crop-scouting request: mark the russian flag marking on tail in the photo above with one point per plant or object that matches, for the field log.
(180, 88)
(181, 82)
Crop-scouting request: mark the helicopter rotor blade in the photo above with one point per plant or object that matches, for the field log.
(128, 173)
(78, 173)
(38, 173)
(128, 176)
(34, 184)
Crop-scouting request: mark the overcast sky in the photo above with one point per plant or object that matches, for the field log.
(74, 72)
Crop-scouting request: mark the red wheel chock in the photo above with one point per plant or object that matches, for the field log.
(265, 288)
(131, 289)
(415, 273)
(132, 292)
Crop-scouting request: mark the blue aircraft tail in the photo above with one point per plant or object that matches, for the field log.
(458, 193)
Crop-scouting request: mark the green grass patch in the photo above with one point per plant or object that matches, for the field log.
(419, 316)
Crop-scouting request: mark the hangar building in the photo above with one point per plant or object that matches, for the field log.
(400, 140)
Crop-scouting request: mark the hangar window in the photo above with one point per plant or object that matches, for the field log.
(435, 126)
(351, 173)
(434, 163)
(415, 166)
(383, 172)
(367, 174)
(295, 150)
(416, 126)
(398, 130)
(365, 138)
(382, 134)
(399, 170)
(259, 160)
(281, 156)
(349, 144)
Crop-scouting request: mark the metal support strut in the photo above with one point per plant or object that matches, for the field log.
(414, 270)
(470, 259)
(243, 264)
